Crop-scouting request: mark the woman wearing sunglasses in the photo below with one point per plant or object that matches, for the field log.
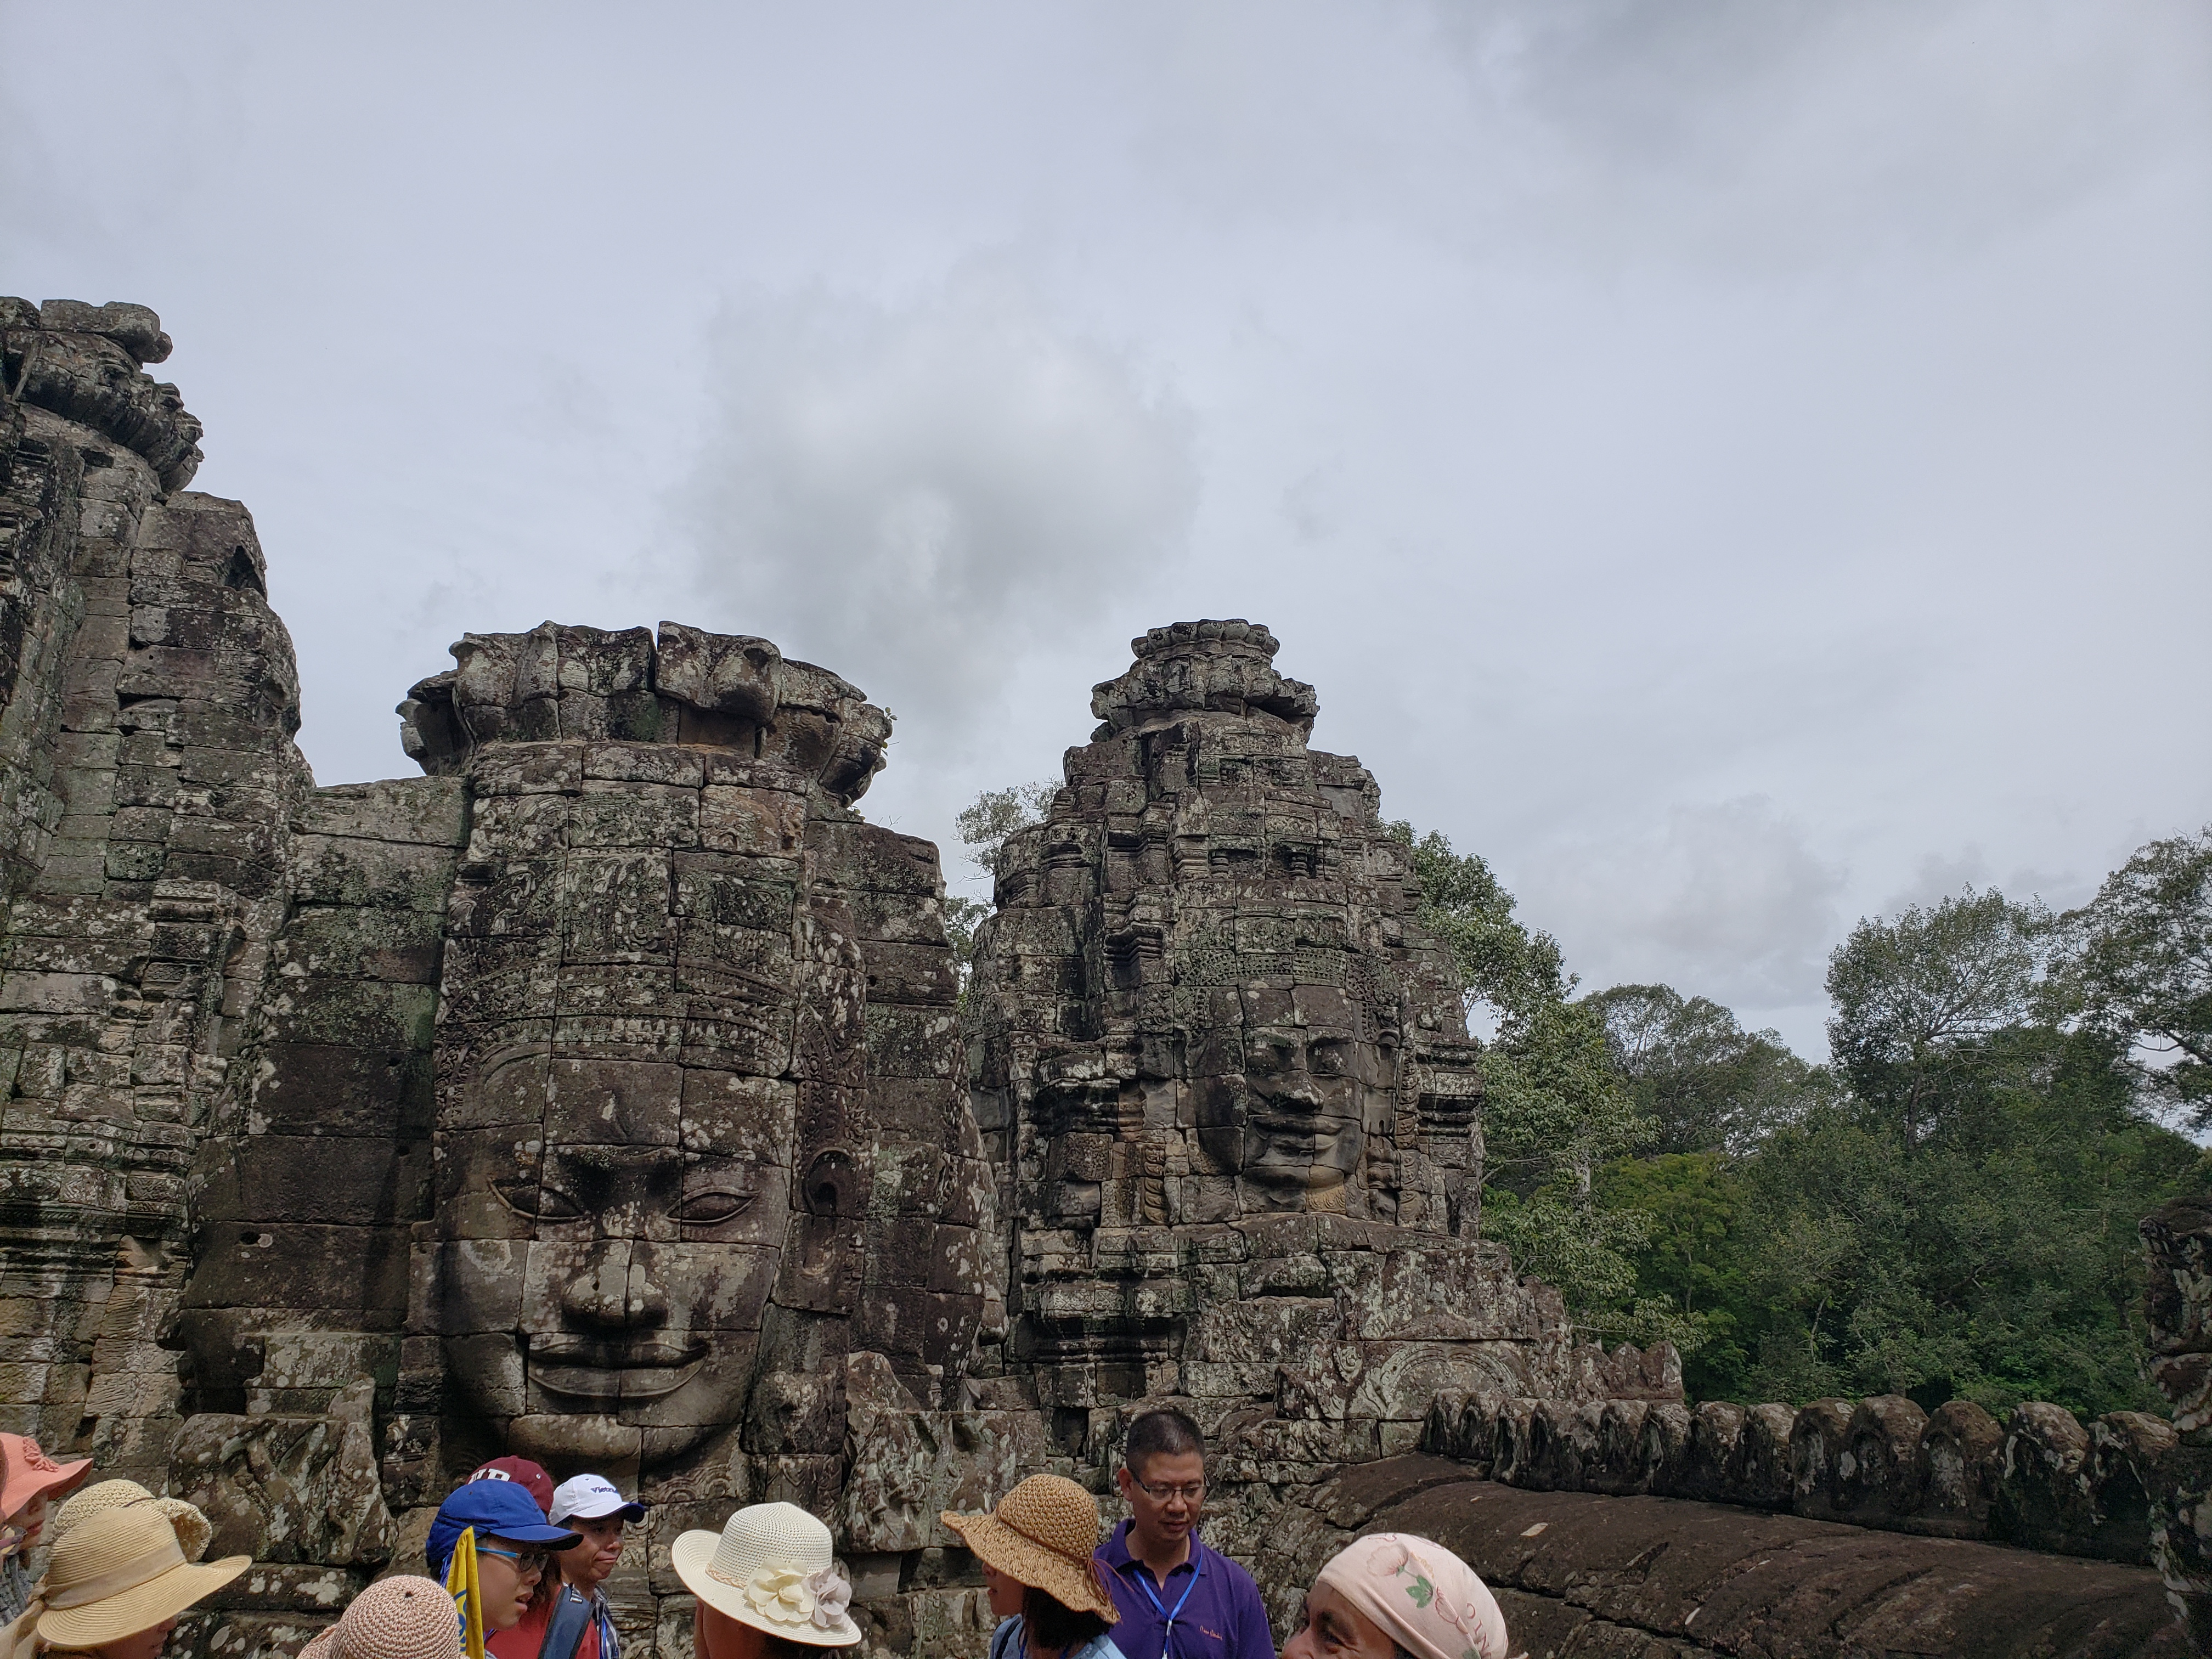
(491, 1545)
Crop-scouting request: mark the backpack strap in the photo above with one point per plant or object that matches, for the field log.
(564, 1631)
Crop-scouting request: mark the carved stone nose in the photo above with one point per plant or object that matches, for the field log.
(611, 1296)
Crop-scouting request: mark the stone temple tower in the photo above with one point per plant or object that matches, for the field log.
(1205, 1034)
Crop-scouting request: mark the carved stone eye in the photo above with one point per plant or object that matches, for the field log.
(535, 1202)
(713, 1207)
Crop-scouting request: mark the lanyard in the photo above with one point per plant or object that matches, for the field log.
(1144, 1583)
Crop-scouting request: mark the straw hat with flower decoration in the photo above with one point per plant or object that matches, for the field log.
(1042, 1533)
(773, 1566)
(121, 1572)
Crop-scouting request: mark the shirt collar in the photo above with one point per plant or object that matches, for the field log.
(1119, 1558)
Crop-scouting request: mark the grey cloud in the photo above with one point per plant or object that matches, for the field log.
(1767, 133)
(1726, 900)
(920, 495)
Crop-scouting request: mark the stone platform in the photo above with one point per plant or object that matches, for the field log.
(1581, 1576)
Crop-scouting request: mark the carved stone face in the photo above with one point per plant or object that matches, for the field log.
(617, 1114)
(648, 1216)
(1292, 1121)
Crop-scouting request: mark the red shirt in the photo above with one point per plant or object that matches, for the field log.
(528, 1635)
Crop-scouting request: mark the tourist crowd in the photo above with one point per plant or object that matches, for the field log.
(518, 1566)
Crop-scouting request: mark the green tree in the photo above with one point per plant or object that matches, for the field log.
(986, 821)
(1915, 998)
(1555, 1110)
(2137, 967)
(1706, 1084)
(1501, 962)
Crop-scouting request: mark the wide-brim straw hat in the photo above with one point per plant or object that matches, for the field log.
(1042, 1533)
(121, 1572)
(773, 1567)
(194, 1530)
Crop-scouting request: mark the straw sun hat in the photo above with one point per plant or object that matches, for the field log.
(1042, 1533)
(193, 1529)
(121, 1572)
(770, 1567)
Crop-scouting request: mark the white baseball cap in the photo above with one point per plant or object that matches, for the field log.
(591, 1498)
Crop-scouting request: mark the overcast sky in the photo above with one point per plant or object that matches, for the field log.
(1740, 465)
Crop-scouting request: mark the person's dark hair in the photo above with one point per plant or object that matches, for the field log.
(1161, 1432)
(1047, 1622)
(782, 1647)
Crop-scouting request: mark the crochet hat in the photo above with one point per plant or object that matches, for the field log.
(401, 1617)
(119, 1573)
(194, 1530)
(770, 1567)
(1042, 1533)
(25, 1472)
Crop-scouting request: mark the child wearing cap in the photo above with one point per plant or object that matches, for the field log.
(491, 1544)
(575, 1622)
(29, 1480)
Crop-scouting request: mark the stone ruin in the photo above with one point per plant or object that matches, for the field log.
(604, 1094)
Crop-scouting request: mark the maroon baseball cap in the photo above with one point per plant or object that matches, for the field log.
(524, 1474)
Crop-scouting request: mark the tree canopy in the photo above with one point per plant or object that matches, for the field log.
(1948, 1210)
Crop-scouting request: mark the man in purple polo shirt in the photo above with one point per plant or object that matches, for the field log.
(1178, 1599)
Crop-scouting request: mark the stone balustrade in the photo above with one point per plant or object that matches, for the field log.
(2043, 1479)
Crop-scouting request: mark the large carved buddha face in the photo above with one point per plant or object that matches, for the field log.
(1291, 1096)
(607, 1276)
(618, 1124)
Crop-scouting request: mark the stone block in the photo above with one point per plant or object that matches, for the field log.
(1764, 1473)
(1709, 1468)
(323, 1089)
(422, 812)
(1880, 1478)
(2043, 1499)
(288, 1489)
(1962, 1454)
(1817, 1440)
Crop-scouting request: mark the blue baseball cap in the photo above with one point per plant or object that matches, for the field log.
(497, 1509)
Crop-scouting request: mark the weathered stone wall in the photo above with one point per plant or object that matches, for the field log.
(147, 772)
(2043, 1479)
(1581, 1576)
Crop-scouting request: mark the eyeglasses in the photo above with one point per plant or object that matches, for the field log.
(525, 1561)
(1166, 1492)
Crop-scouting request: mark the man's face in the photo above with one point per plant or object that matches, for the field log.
(1164, 1498)
(1292, 1118)
(1333, 1629)
(587, 1563)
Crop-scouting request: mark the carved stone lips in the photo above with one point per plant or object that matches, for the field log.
(585, 1371)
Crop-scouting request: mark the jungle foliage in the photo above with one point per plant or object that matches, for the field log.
(1947, 1210)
